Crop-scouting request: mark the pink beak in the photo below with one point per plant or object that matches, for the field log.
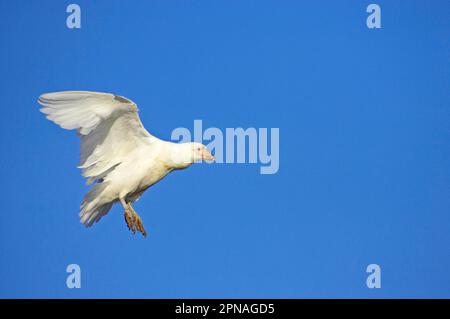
(206, 156)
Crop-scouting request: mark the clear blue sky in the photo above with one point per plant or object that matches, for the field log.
(364, 148)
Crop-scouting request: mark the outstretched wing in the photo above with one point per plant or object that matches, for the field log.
(108, 126)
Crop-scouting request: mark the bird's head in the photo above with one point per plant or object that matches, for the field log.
(184, 154)
(199, 152)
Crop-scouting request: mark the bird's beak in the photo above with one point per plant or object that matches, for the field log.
(206, 156)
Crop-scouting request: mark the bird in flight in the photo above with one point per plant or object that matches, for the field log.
(118, 154)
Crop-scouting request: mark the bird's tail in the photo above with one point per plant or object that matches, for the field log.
(94, 205)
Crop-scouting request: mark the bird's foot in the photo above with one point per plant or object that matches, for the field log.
(139, 225)
(129, 219)
(134, 221)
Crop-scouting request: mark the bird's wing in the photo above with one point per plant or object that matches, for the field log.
(108, 126)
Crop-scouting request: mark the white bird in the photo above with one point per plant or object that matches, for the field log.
(117, 152)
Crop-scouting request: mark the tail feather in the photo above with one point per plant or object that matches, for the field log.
(94, 206)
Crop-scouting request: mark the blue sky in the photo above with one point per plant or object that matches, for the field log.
(364, 149)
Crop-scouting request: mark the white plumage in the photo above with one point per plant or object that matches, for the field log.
(117, 153)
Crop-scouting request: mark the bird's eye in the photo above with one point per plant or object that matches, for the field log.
(198, 149)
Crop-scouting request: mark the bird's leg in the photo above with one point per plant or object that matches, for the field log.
(139, 226)
(129, 216)
(129, 219)
(132, 219)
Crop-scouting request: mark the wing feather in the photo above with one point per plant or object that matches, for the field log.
(108, 126)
